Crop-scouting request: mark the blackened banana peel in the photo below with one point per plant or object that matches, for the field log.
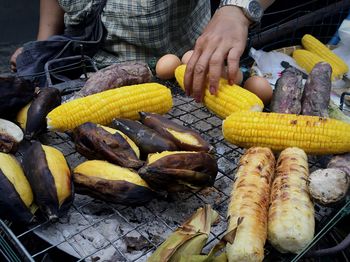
(179, 170)
(183, 137)
(32, 117)
(111, 183)
(147, 139)
(95, 142)
(16, 198)
(49, 176)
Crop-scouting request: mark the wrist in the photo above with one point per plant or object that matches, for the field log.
(237, 13)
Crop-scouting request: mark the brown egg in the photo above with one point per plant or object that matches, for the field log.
(186, 57)
(166, 65)
(261, 87)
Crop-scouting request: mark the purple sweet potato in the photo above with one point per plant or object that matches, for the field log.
(287, 94)
(317, 91)
(116, 75)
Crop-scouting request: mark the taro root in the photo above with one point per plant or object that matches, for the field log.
(111, 183)
(16, 196)
(50, 178)
(10, 136)
(183, 137)
(15, 93)
(179, 170)
(147, 139)
(32, 117)
(97, 142)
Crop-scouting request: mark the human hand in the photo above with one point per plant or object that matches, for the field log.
(14, 58)
(224, 37)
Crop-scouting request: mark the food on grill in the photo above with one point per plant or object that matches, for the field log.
(188, 239)
(291, 222)
(32, 117)
(116, 75)
(317, 91)
(186, 56)
(328, 186)
(166, 66)
(288, 92)
(315, 135)
(111, 183)
(102, 108)
(341, 161)
(10, 136)
(336, 113)
(247, 211)
(15, 93)
(183, 137)
(16, 196)
(179, 170)
(96, 142)
(148, 140)
(229, 98)
(259, 86)
(49, 176)
(339, 67)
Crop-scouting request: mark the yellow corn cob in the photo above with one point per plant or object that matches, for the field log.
(306, 59)
(248, 209)
(229, 99)
(315, 135)
(291, 222)
(312, 44)
(101, 108)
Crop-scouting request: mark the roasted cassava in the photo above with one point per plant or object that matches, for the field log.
(247, 211)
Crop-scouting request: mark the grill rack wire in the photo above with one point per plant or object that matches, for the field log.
(142, 229)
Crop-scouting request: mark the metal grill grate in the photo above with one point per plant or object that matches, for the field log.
(96, 231)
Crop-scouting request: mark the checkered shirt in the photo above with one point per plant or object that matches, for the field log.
(143, 29)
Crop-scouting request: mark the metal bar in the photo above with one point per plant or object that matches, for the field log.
(272, 34)
(20, 248)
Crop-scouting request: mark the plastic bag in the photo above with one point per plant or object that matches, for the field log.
(269, 63)
(343, 49)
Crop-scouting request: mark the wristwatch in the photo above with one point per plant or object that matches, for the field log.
(252, 9)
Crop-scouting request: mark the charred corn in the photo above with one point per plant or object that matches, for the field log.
(16, 196)
(229, 98)
(49, 176)
(315, 135)
(248, 208)
(188, 239)
(101, 108)
(339, 67)
(291, 222)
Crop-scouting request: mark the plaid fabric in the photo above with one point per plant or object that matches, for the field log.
(143, 29)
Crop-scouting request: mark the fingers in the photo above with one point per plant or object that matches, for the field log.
(233, 63)
(14, 58)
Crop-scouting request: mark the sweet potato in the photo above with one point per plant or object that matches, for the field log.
(288, 91)
(116, 75)
(342, 162)
(317, 91)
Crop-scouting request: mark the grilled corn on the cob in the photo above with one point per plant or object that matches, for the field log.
(339, 67)
(247, 212)
(291, 222)
(229, 98)
(101, 108)
(315, 135)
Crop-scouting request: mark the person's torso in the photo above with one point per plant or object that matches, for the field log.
(143, 29)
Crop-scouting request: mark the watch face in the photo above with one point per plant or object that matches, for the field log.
(255, 10)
